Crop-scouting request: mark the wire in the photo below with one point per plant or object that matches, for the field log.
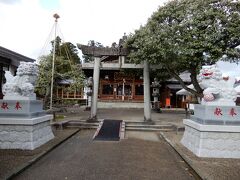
(45, 44)
(67, 51)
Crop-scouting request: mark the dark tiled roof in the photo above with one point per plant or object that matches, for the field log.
(13, 56)
(174, 86)
(65, 81)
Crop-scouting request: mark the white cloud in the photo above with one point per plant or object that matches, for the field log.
(105, 20)
(26, 25)
(228, 68)
(9, 1)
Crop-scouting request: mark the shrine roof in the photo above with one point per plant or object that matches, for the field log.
(174, 86)
(185, 76)
(65, 81)
(13, 57)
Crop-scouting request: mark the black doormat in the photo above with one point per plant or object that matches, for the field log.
(109, 131)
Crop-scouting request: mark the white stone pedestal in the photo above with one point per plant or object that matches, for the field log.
(25, 133)
(212, 140)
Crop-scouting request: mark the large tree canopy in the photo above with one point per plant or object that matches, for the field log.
(67, 50)
(185, 34)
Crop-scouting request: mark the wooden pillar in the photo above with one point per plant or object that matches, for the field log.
(96, 74)
(133, 90)
(147, 99)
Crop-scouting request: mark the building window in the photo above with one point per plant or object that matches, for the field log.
(3, 68)
(119, 90)
(139, 89)
(127, 90)
(107, 89)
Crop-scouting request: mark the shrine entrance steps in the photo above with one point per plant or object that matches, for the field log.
(129, 125)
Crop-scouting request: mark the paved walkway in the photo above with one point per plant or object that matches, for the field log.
(141, 156)
(81, 158)
(14, 160)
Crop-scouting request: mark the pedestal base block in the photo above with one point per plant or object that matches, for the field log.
(27, 136)
(212, 140)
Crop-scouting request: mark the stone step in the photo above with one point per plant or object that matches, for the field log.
(133, 122)
(129, 126)
(81, 127)
(83, 123)
(154, 126)
(147, 129)
(59, 124)
(150, 127)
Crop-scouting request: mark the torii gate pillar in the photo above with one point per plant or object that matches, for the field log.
(147, 102)
(96, 74)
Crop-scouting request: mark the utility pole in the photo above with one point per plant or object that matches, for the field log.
(56, 16)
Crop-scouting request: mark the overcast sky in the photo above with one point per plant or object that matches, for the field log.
(26, 24)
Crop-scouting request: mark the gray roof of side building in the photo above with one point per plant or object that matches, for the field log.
(14, 57)
(185, 76)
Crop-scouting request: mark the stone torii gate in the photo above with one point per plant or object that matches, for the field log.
(99, 53)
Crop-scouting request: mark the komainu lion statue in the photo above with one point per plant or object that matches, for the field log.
(218, 88)
(21, 86)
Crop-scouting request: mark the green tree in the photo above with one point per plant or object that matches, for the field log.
(88, 58)
(185, 34)
(67, 50)
(65, 69)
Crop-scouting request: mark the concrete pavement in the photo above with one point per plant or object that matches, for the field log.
(81, 158)
(207, 168)
(13, 161)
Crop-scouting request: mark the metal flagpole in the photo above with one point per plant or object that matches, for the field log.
(56, 16)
